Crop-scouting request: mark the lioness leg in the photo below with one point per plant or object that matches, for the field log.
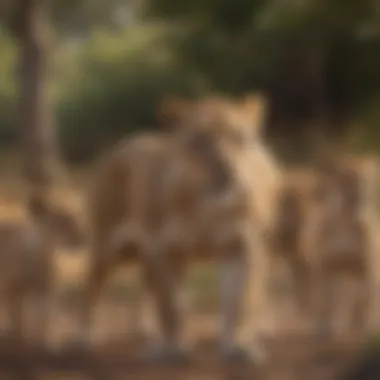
(145, 303)
(164, 278)
(361, 312)
(143, 322)
(301, 285)
(15, 302)
(373, 300)
(244, 287)
(44, 303)
(232, 284)
(97, 276)
(326, 302)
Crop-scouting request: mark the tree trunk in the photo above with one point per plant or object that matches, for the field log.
(37, 136)
(325, 136)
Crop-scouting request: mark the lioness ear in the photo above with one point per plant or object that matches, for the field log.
(173, 111)
(255, 107)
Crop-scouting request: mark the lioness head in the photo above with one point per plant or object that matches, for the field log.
(210, 129)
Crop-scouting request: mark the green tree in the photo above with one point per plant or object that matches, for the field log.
(30, 23)
(313, 58)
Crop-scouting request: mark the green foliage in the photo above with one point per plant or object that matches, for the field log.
(104, 87)
(82, 16)
(115, 88)
(7, 88)
(302, 53)
(313, 58)
(364, 130)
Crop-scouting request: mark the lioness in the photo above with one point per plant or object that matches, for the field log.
(289, 244)
(167, 200)
(26, 261)
(345, 224)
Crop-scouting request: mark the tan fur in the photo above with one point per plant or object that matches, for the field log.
(327, 230)
(26, 258)
(162, 200)
(117, 222)
(290, 228)
(63, 216)
(241, 214)
(26, 269)
(345, 237)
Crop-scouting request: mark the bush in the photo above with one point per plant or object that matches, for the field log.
(115, 88)
(8, 99)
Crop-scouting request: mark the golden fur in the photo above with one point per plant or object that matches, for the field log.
(163, 199)
(345, 241)
(26, 262)
(290, 228)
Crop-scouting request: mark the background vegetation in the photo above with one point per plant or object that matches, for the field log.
(110, 62)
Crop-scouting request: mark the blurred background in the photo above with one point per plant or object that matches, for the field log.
(109, 62)
(77, 75)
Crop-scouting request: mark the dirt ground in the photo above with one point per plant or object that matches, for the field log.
(116, 356)
(293, 356)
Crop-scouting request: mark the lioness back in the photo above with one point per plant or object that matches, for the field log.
(115, 192)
